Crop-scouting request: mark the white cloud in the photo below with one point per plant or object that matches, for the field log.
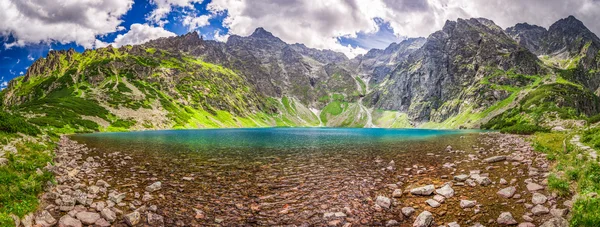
(422, 17)
(139, 33)
(318, 23)
(3, 85)
(196, 22)
(99, 43)
(164, 7)
(219, 37)
(63, 21)
(315, 23)
(29, 57)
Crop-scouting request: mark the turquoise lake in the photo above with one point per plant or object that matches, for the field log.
(270, 176)
(266, 138)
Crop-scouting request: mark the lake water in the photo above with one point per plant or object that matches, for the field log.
(274, 176)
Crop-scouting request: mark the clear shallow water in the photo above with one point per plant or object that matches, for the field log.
(273, 176)
(268, 138)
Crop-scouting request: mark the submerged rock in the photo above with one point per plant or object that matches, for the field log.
(467, 203)
(445, 191)
(425, 219)
(408, 211)
(132, 218)
(425, 190)
(506, 218)
(397, 193)
(154, 187)
(495, 159)
(433, 203)
(507, 192)
(383, 201)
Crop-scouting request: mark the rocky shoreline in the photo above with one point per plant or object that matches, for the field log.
(498, 181)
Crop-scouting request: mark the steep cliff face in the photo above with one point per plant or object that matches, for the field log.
(376, 64)
(532, 37)
(446, 75)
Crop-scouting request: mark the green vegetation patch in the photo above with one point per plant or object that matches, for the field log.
(567, 101)
(573, 171)
(592, 137)
(10, 123)
(21, 182)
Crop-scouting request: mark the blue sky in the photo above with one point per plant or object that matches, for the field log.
(29, 29)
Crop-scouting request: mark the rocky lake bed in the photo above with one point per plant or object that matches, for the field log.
(475, 179)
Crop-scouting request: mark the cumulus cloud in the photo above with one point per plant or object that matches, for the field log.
(164, 7)
(318, 23)
(196, 22)
(3, 84)
(219, 37)
(139, 33)
(64, 21)
(315, 23)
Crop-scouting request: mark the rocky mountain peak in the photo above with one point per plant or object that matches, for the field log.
(529, 36)
(261, 33)
(568, 23)
(569, 35)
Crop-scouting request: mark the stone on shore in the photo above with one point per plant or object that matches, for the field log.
(534, 187)
(506, 218)
(507, 192)
(559, 213)
(116, 198)
(155, 219)
(494, 159)
(88, 218)
(45, 219)
(132, 218)
(445, 191)
(526, 224)
(538, 198)
(383, 202)
(425, 219)
(556, 222)
(154, 187)
(68, 221)
(102, 223)
(539, 210)
(108, 214)
(425, 190)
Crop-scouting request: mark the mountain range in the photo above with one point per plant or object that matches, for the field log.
(470, 74)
